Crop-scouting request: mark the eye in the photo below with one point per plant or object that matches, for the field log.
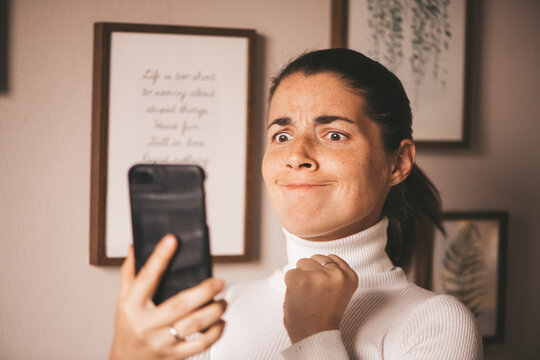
(335, 136)
(282, 137)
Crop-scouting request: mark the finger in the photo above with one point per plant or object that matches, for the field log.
(345, 267)
(191, 347)
(127, 274)
(187, 301)
(201, 319)
(325, 262)
(342, 263)
(307, 264)
(291, 276)
(148, 278)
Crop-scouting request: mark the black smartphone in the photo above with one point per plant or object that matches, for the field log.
(170, 199)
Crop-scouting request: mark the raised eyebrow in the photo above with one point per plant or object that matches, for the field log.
(327, 119)
(280, 121)
(323, 119)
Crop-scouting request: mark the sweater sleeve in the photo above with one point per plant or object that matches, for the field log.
(440, 328)
(326, 345)
(202, 356)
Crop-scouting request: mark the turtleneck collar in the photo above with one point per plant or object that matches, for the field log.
(364, 252)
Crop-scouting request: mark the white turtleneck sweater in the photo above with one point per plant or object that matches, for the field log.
(387, 317)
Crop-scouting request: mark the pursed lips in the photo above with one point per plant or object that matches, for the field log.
(303, 185)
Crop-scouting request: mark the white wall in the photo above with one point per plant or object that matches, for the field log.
(54, 305)
(502, 168)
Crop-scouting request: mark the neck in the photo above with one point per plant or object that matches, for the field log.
(364, 251)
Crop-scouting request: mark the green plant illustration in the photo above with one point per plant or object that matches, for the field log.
(386, 23)
(463, 272)
(430, 29)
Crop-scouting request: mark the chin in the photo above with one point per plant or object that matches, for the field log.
(309, 227)
(318, 228)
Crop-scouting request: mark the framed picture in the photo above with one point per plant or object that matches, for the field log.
(424, 44)
(470, 264)
(171, 94)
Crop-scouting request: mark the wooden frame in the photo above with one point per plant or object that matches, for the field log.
(439, 121)
(171, 94)
(470, 263)
(4, 45)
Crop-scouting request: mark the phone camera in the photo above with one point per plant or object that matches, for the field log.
(143, 177)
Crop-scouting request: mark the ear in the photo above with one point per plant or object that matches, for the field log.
(404, 158)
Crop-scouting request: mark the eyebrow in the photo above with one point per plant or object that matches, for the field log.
(323, 119)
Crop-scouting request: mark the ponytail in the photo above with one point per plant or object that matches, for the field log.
(407, 206)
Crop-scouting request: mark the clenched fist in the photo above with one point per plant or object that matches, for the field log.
(318, 292)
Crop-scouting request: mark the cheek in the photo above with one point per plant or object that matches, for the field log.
(365, 180)
(269, 168)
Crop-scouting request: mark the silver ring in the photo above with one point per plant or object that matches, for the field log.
(327, 261)
(174, 333)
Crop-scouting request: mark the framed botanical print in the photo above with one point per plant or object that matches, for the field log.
(424, 44)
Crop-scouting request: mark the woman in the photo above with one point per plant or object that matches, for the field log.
(339, 169)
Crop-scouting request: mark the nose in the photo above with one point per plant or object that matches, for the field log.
(301, 155)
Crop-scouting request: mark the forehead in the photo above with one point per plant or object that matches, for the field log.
(320, 93)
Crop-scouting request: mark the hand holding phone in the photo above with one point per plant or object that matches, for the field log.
(142, 330)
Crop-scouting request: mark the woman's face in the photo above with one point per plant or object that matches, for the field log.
(324, 167)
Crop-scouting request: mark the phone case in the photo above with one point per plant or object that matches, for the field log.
(170, 199)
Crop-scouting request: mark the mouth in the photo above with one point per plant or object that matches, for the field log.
(302, 185)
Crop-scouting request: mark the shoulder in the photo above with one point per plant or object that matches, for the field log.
(440, 327)
(444, 311)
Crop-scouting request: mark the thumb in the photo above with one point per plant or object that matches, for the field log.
(127, 274)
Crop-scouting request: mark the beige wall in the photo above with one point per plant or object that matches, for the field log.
(54, 305)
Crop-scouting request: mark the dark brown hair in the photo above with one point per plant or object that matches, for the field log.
(411, 202)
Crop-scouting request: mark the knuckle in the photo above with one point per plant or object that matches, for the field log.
(302, 262)
(155, 347)
(139, 333)
(338, 279)
(128, 313)
(123, 307)
(290, 276)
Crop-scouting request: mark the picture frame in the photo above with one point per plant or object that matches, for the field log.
(4, 45)
(427, 48)
(171, 94)
(469, 262)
